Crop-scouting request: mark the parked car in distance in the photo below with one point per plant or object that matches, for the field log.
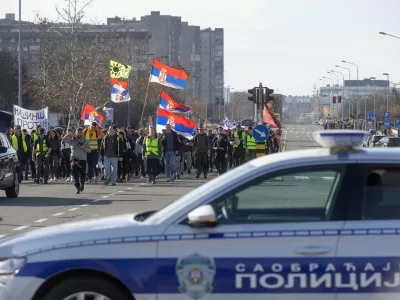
(388, 142)
(9, 165)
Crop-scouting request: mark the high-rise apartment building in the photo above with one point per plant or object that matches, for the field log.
(212, 70)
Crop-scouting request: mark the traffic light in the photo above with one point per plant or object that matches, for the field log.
(253, 93)
(268, 94)
(334, 99)
(339, 99)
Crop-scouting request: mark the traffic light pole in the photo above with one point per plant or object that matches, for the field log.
(261, 99)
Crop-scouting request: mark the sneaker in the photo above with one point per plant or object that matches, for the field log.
(55, 179)
(96, 180)
(68, 179)
(77, 192)
(82, 187)
(107, 182)
(51, 179)
(113, 184)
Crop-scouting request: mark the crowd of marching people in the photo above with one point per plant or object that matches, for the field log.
(87, 155)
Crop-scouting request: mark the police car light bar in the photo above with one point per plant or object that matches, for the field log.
(340, 138)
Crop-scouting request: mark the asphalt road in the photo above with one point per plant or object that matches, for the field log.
(56, 203)
(299, 137)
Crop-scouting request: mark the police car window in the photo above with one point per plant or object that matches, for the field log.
(382, 200)
(3, 141)
(295, 197)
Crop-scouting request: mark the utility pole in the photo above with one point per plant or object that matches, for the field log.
(19, 60)
(261, 99)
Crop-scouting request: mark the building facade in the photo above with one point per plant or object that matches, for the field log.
(212, 70)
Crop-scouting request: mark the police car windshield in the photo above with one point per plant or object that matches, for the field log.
(193, 196)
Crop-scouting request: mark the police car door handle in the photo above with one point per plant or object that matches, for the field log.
(313, 250)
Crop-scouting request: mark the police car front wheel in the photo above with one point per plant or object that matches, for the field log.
(86, 288)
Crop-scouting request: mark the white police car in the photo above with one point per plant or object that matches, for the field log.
(313, 224)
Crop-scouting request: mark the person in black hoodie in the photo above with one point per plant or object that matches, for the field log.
(221, 145)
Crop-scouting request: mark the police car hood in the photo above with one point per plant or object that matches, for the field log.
(75, 233)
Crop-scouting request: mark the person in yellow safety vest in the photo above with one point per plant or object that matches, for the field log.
(239, 153)
(250, 144)
(19, 144)
(152, 150)
(92, 135)
(40, 154)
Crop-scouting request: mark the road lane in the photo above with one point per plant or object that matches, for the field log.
(298, 137)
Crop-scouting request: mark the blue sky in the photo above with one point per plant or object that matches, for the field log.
(285, 44)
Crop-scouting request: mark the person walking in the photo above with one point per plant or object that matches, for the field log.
(80, 147)
(19, 143)
(187, 155)
(55, 145)
(250, 144)
(111, 148)
(170, 143)
(201, 147)
(27, 137)
(221, 144)
(239, 153)
(66, 161)
(139, 153)
(40, 154)
(152, 150)
(92, 135)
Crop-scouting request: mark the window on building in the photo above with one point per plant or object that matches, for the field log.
(1, 40)
(37, 40)
(25, 48)
(12, 40)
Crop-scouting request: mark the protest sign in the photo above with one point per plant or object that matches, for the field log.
(30, 119)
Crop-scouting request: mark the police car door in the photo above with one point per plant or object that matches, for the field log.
(275, 240)
(369, 245)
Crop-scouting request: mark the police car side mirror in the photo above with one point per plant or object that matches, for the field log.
(203, 217)
(3, 149)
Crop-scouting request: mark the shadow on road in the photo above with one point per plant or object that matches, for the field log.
(47, 201)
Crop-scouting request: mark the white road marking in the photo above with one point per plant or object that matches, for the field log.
(104, 197)
(2, 235)
(302, 177)
(328, 178)
(21, 228)
(40, 220)
(312, 139)
(73, 209)
(120, 191)
(83, 205)
(129, 188)
(291, 131)
(58, 214)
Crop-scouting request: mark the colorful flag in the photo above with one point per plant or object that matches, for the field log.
(227, 124)
(168, 76)
(180, 125)
(90, 115)
(119, 91)
(269, 117)
(167, 103)
(118, 70)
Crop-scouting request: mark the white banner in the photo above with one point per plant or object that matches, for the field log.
(30, 119)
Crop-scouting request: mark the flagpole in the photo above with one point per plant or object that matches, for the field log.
(145, 100)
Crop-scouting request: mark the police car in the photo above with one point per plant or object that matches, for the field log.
(313, 224)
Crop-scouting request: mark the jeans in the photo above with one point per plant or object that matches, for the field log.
(201, 163)
(187, 156)
(92, 160)
(111, 168)
(169, 158)
(54, 168)
(152, 168)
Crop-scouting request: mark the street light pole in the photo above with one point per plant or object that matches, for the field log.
(384, 33)
(373, 78)
(350, 104)
(358, 103)
(19, 60)
(388, 97)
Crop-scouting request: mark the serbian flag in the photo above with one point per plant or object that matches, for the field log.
(90, 115)
(168, 76)
(269, 117)
(167, 103)
(180, 125)
(119, 90)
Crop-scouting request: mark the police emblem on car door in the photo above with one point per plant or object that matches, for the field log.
(195, 275)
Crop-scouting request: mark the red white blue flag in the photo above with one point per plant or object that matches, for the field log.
(167, 103)
(168, 76)
(180, 125)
